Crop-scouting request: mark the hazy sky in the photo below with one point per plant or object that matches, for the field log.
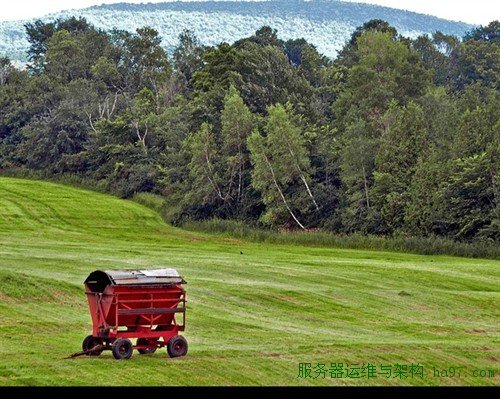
(472, 11)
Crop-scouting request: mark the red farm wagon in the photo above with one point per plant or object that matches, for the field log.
(147, 305)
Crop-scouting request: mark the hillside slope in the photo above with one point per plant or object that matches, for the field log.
(327, 24)
(255, 310)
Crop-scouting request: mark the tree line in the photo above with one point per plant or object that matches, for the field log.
(394, 136)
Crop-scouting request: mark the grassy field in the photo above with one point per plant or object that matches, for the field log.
(255, 312)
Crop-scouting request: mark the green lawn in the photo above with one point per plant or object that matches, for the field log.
(252, 318)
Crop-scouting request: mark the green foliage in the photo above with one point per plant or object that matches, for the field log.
(349, 55)
(149, 200)
(488, 33)
(479, 62)
(264, 36)
(422, 216)
(212, 81)
(236, 127)
(395, 136)
(39, 34)
(439, 54)
(145, 61)
(204, 166)
(474, 133)
(219, 167)
(401, 145)
(188, 55)
(281, 160)
(387, 72)
(467, 197)
(64, 57)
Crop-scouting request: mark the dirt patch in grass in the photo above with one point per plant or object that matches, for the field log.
(289, 299)
(476, 331)
(271, 355)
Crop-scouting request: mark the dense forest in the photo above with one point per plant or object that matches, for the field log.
(327, 24)
(394, 136)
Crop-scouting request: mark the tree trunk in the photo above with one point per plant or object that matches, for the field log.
(240, 171)
(142, 137)
(91, 123)
(302, 177)
(366, 189)
(309, 191)
(281, 193)
(209, 173)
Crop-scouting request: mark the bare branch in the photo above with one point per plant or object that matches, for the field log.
(90, 121)
(110, 114)
(145, 134)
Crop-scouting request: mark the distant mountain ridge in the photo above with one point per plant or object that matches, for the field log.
(327, 24)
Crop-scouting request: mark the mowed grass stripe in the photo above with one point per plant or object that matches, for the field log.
(252, 317)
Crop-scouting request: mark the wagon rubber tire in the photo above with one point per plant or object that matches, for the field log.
(177, 346)
(145, 351)
(89, 342)
(122, 348)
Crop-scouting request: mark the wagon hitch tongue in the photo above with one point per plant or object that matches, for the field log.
(87, 352)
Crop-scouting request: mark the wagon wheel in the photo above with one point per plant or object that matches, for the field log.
(177, 346)
(90, 342)
(122, 348)
(146, 341)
